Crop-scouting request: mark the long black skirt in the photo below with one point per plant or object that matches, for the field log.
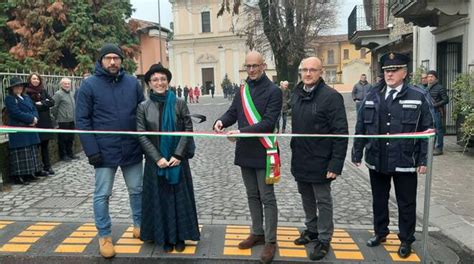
(168, 211)
(24, 160)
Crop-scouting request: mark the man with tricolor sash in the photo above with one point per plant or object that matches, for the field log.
(316, 162)
(256, 108)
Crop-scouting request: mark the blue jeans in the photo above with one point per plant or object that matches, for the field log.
(439, 130)
(104, 181)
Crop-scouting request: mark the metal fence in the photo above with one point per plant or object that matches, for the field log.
(50, 83)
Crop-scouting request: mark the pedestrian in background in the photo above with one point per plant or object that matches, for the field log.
(440, 100)
(285, 93)
(252, 155)
(360, 91)
(169, 215)
(186, 93)
(423, 81)
(180, 91)
(392, 107)
(43, 102)
(197, 93)
(316, 162)
(191, 95)
(23, 147)
(63, 113)
(108, 101)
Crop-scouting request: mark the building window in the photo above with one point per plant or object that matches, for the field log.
(330, 56)
(206, 21)
(331, 75)
(362, 53)
(346, 54)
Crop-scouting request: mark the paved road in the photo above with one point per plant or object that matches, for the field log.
(220, 193)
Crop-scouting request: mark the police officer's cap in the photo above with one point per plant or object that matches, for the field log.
(393, 61)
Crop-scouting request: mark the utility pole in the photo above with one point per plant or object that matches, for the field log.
(159, 32)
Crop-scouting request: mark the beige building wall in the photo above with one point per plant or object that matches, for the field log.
(195, 54)
(150, 51)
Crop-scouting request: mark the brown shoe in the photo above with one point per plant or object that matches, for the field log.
(268, 253)
(106, 247)
(251, 241)
(136, 232)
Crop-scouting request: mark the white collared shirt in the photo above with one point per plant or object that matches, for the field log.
(398, 88)
(308, 89)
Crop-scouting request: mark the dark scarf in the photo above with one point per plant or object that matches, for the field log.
(34, 92)
(168, 144)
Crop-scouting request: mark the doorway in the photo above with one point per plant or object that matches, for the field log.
(207, 79)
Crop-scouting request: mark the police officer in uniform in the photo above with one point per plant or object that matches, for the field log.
(393, 106)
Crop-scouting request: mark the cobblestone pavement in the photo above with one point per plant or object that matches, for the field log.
(220, 193)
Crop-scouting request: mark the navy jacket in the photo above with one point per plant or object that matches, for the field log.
(267, 98)
(321, 111)
(21, 113)
(109, 102)
(411, 111)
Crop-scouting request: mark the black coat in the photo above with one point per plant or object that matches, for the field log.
(321, 111)
(267, 98)
(410, 112)
(44, 113)
(438, 94)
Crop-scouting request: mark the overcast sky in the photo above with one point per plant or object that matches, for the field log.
(148, 10)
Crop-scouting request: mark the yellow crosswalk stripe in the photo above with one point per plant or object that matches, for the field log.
(25, 239)
(78, 240)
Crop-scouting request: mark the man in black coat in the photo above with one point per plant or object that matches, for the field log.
(440, 99)
(251, 155)
(393, 107)
(316, 162)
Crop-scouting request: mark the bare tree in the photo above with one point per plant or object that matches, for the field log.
(288, 27)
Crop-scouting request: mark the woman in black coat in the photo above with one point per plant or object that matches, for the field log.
(169, 214)
(23, 150)
(43, 103)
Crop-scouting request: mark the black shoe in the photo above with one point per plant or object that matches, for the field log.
(50, 171)
(437, 152)
(19, 180)
(319, 251)
(376, 240)
(66, 159)
(306, 237)
(404, 250)
(41, 173)
(167, 247)
(74, 157)
(180, 246)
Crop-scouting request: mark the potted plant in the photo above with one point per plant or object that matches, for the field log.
(463, 111)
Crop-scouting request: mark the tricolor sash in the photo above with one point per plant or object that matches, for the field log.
(273, 164)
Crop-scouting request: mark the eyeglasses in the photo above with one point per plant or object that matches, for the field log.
(159, 79)
(310, 70)
(252, 66)
(109, 59)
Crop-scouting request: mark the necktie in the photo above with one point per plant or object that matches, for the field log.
(389, 98)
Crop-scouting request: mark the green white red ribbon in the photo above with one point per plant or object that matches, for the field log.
(272, 171)
(13, 129)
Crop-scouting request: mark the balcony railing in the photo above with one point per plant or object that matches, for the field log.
(366, 18)
(397, 5)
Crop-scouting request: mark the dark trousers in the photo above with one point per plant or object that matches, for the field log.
(65, 141)
(262, 203)
(405, 190)
(45, 154)
(283, 117)
(317, 205)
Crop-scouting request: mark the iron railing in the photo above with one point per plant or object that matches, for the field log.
(50, 83)
(366, 18)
